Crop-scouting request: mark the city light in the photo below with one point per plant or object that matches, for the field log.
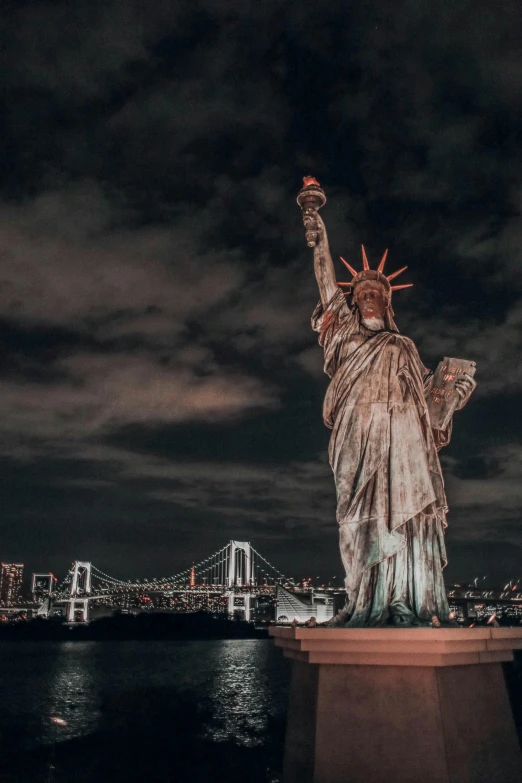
(236, 581)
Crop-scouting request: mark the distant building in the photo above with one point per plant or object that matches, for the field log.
(290, 607)
(11, 577)
(42, 586)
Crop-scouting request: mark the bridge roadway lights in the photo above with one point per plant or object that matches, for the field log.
(398, 705)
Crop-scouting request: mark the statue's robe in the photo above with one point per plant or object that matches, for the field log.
(391, 505)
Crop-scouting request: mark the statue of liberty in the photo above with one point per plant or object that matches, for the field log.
(391, 505)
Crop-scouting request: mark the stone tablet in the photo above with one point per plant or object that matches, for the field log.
(443, 398)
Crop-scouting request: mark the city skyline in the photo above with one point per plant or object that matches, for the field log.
(193, 574)
(162, 388)
(231, 582)
(210, 570)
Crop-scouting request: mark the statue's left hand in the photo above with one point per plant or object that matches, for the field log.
(464, 388)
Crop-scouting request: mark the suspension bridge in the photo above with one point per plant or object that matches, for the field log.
(230, 579)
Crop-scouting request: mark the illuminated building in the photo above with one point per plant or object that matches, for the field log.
(291, 608)
(11, 577)
(42, 586)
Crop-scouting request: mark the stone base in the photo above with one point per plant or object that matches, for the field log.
(393, 705)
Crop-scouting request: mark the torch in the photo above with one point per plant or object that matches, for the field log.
(310, 198)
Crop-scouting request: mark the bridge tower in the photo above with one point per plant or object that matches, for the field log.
(79, 588)
(81, 578)
(240, 574)
(240, 564)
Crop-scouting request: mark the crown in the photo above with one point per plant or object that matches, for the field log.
(373, 274)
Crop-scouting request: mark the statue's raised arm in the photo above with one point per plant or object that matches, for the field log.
(311, 198)
(323, 264)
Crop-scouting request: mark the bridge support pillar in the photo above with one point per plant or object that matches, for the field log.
(73, 606)
(247, 604)
(230, 596)
(386, 705)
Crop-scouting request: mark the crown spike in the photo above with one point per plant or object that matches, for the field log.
(397, 273)
(398, 287)
(366, 265)
(383, 261)
(350, 268)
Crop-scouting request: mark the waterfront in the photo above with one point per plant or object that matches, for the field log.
(161, 710)
(215, 695)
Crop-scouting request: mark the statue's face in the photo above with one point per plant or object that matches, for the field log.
(370, 299)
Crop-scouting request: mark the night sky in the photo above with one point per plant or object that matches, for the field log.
(161, 387)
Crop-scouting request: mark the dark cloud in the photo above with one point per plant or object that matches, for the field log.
(161, 386)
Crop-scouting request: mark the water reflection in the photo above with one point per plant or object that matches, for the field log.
(72, 692)
(244, 681)
(241, 691)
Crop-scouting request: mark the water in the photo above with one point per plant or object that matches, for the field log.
(239, 690)
(135, 711)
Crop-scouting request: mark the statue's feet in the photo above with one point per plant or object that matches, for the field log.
(405, 621)
(338, 621)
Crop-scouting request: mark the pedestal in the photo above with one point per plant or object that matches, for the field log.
(393, 705)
